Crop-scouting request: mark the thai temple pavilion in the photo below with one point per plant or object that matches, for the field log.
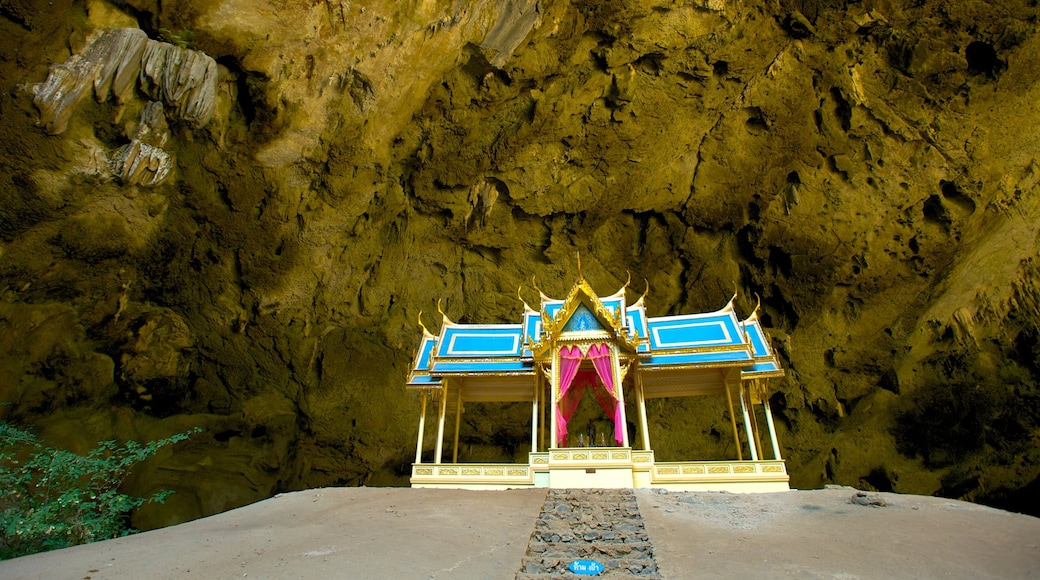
(603, 346)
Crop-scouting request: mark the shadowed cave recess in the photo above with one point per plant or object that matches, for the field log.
(230, 214)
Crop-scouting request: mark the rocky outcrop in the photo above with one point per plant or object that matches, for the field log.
(868, 169)
(143, 161)
(184, 79)
(114, 63)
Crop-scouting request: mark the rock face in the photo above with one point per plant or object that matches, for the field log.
(279, 219)
(113, 61)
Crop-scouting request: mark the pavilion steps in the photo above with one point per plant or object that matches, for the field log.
(589, 524)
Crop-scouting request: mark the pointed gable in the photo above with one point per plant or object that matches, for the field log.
(583, 314)
(582, 320)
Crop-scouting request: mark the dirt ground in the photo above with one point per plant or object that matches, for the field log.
(820, 534)
(415, 533)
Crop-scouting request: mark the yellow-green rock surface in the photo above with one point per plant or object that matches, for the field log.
(868, 168)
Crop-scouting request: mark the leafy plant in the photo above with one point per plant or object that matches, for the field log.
(54, 498)
(183, 38)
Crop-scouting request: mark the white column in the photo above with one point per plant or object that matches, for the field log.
(458, 419)
(440, 421)
(615, 362)
(642, 410)
(534, 414)
(747, 426)
(772, 430)
(552, 397)
(541, 409)
(422, 429)
(733, 420)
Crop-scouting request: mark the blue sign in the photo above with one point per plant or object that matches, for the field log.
(586, 567)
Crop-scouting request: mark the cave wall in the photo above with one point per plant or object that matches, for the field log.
(868, 169)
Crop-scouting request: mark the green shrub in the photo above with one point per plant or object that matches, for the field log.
(53, 498)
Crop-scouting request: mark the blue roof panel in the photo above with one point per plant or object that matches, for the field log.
(763, 367)
(551, 308)
(698, 358)
(480, 341)
(532, 327)
(423, 379)
(758, 339)
(612, 304)
(715, 330)
(422, 362)
(637, 326)
(500, 366)
(636, 322)
(532, 332)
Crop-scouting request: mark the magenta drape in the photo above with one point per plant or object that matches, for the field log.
(600, 355)
(573, 383)
(569, 402)
(570, 360)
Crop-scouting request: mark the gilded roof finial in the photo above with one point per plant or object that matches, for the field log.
(754, 313)
(645, 292)
(443, 315)
(729, 305)
(521, 298)
(578, 254)
(541, 294)
(423, 326)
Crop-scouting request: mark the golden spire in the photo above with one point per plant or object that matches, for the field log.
(541, 294)
(645, 292)
(521, 298)
(754, 313)
(443, 315)
(423, 326)
(729, 305)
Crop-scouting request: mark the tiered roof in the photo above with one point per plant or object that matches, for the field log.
(677, 355)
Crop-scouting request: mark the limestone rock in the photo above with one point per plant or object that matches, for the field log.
(118, 56)
(516, 19)
(869, 171)
(114, 63)
(58, 96)
(143, 161)
(183, 79)
(867, 499)
(152, 128)
(139, 163)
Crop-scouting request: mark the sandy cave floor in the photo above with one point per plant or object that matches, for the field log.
(417, 533)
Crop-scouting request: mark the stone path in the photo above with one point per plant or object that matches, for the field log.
(589, 524)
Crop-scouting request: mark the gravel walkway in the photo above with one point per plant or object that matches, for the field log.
(598, 528)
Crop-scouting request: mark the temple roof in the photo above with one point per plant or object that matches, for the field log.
(670, 348)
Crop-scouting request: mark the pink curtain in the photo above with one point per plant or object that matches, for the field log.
(600, 355)
(570, 360)
(573, 383)
(569, 402)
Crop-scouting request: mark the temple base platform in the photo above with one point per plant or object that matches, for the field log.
(606, 467)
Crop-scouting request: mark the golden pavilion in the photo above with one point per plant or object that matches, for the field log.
(612, 349)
